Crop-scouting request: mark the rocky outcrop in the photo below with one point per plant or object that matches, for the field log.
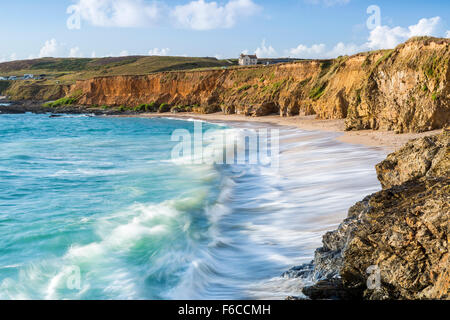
(400, 234)
(406, 89)
(427, 157)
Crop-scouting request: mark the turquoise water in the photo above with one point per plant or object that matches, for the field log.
(97, 200)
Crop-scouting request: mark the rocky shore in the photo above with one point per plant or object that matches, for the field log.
(394, 244)
(38, 107)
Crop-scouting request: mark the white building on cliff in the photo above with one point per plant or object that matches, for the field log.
(248, 60)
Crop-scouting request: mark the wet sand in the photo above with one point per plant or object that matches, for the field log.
(387, 140)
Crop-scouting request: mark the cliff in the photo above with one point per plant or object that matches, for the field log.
(403, 231)
(405, 89)
(24, 90)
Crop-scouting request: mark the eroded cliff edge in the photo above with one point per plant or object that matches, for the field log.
(401, 232)
(406, 89)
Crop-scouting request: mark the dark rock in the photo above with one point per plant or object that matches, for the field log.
(332, 289)
(401, 231)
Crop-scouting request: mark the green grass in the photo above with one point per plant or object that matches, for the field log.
(318, 91)
(68, 70)
(358, 97)
(244, 88)
(386, 56)
(60, 102)
(67, 101)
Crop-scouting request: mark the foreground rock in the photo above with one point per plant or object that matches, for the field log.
(395, 243)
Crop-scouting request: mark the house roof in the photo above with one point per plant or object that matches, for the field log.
(251, 56)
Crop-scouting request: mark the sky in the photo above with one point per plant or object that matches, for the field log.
(222, 28)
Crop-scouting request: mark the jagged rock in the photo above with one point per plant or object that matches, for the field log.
(402, 230)
(421, 157)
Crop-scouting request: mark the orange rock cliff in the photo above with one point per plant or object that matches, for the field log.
(405, 89)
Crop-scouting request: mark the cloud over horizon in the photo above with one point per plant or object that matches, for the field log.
(203, 15)
(195, 15)
(117, 13)
(382, 37)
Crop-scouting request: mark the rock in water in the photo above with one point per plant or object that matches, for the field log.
(395, 243)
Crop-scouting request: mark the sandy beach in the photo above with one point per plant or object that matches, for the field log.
(387, 140)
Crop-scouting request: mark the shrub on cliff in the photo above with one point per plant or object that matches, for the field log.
(66, 101)
(181, 109)
(147, 107)
(61, 102)
(164, 108)
(152, 107)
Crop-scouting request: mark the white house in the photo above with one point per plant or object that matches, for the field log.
(248, 60)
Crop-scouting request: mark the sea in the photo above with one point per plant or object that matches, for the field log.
(97, 208)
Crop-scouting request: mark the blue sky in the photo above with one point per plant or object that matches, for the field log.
(222, 28)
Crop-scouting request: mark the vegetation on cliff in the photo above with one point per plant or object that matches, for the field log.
(4, 85)
(68, 70)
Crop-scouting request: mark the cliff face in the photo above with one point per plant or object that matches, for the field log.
(22, 90)
(406, 89)
(403, 231)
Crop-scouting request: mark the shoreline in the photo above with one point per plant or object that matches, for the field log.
(387, 140)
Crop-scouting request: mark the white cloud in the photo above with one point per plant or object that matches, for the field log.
(117, 13)
(51, 48)
(425, 27)
(75, 53)
(265, 51)
(158, 52)
(203, 15)
(302, 51)
(343, 49)
(124, 53)
(6, 58)
(93, 54)
(447, 35)
(382, 37)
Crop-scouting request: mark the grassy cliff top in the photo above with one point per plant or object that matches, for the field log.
(68, 70)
